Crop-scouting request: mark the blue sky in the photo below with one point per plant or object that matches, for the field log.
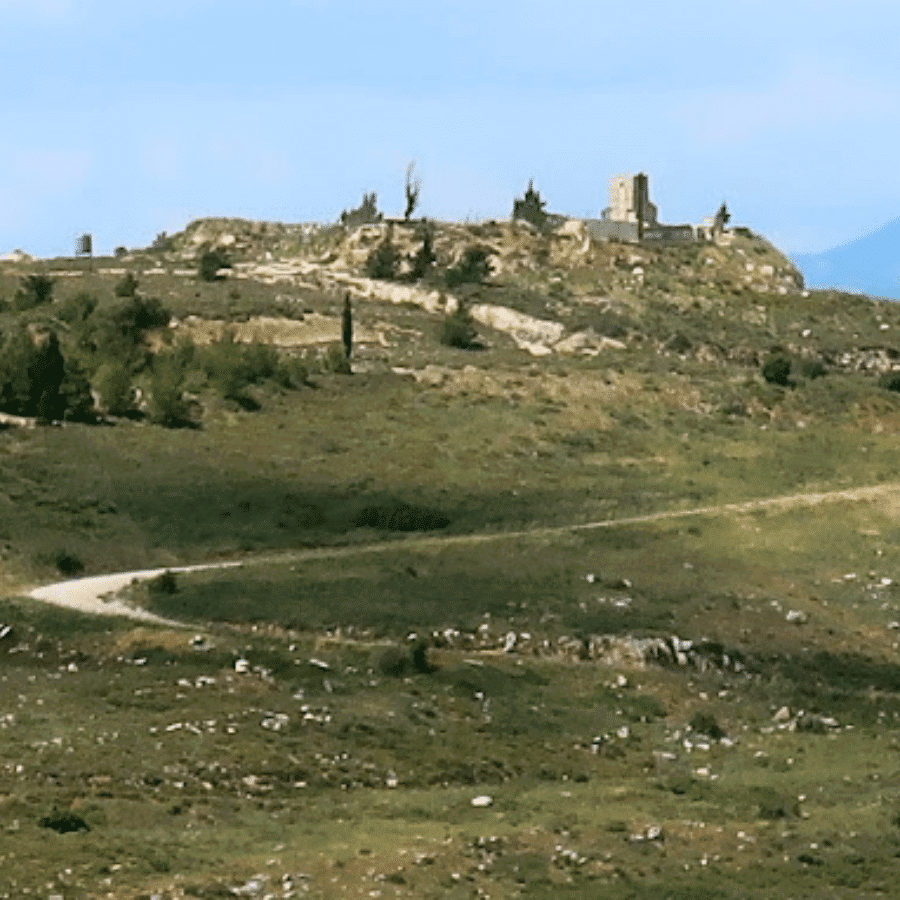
(127, 119)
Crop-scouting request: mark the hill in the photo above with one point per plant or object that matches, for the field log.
(869, 265)
(577, 578)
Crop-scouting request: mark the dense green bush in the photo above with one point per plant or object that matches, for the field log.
(112, 382)
(211, 261)
(812, 369)
(777, 370)
(890, 381)
(458, 329)
(167, 404)
(705, 723)
(77, 310)
(127, 285)
(34, 290)
(473, 268)
(384, 261)
(424, 257)
(31, 375)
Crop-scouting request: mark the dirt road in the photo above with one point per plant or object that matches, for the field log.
(96, 594)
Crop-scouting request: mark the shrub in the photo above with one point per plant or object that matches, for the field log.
(112, 382)
(777, 370)
(119, 252)
(164, 583)
(425, 256)
(384, 260)
(76, 310)
(335, 361)
(68, 563)
(167, 405)
(127, 285)
(399, 516)
(890, 381)
(34, 290)
(458, 329)
(347, 327)
(162, 242)
(705, 723)
(473, 268)
(393, 661)
(364, 214)
(211, 261)
(63, 821)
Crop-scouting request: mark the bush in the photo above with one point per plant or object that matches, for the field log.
(458, 329)
(211, 261)
(77, 309)
(334, 360)
(364, 214)
(473, 268)
(777, 370)
(425, 256)
(63, 821)
(34, 290)
(112, 382)
(68, 563)
(164, 583)
(399, 516)
(705, 723)
(384, 260)
(890, 381)
(167, 405)
(127, 285)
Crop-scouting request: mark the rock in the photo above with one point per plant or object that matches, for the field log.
(242, 666)
(783, 714)
(482, 801)
(797, 617)
(509, 642)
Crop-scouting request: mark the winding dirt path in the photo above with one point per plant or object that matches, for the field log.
(96, 594)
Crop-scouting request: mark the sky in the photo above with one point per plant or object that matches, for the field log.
(124, 120)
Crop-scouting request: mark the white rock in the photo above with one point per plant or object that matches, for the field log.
(482, 801)
(242, 666)
(782, 715)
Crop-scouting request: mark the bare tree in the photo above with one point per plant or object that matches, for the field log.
(413, 186)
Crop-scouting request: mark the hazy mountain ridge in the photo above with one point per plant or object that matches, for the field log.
(868, 265)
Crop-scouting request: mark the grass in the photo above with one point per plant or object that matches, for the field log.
(272, 746)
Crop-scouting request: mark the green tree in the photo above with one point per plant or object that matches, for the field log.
(473, 268)
(364, 214)
(384, 260)
(34, 290)
(425, 256)
(347, 327)
(167, 404)
(530, 208)
(211, 261)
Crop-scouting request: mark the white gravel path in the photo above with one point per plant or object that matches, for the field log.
(96, 594)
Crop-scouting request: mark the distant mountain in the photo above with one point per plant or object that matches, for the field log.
(868, 265)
